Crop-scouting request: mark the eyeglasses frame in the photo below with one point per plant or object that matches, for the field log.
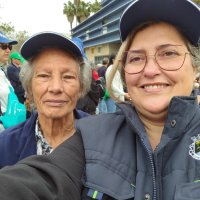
(155, 61)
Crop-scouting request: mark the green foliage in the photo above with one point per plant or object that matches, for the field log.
(80, 9)
(69, 9)
(197, 1)
(95, 7)
(9, 30)
(20, 36)
(83, 9)
(6, 28)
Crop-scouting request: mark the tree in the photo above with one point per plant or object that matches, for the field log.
(80, 9)
(70, 11)
(83, 11)
(76, 3)
(95, 7)
(197, 1)
(9, 30)
(20, 36)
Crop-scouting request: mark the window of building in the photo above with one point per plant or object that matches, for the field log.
(105, 30)
(87, 35)
(99, 49)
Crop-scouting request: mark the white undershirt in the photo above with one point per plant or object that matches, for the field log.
(4, 90)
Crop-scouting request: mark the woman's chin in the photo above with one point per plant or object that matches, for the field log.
(155, 107)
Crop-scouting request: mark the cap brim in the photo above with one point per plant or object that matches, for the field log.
(48, 39)
(184, 14)
(6, 41)
(13, 42)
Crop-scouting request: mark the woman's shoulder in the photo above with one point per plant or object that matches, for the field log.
(98, 118)
(99, 124)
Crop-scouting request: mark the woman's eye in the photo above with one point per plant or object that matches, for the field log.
(135, 59)
(67, 77)
(168, 54)
(43, 75)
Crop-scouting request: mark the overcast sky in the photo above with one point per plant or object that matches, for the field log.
(35, 15)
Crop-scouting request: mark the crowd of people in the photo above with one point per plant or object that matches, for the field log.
(147, 146)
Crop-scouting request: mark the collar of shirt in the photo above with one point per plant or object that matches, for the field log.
(43, 147)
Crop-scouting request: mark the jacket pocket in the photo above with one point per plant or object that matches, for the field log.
(188, 191)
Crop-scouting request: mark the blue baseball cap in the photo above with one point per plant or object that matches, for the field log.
(4, 39)
(48, 39)
(79, 43)
(184, 14)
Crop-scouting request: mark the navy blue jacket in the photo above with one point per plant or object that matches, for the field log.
(13, 76)
(19, 142)
(120, 163)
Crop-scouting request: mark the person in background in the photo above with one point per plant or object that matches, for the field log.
(102, 70)
(54, 77)
(13, 71)
(89, 102)
(5, 50)
(117, 88)
(102, 107)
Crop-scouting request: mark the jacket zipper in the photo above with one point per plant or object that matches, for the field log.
(153, 169)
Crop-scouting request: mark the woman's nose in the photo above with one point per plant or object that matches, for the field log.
(55, 85)
(151, 66)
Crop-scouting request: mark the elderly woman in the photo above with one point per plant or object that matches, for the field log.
(54, 77)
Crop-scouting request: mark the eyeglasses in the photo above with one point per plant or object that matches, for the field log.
(5, 46)
(168, 58)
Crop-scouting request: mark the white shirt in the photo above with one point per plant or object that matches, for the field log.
(4, 90)
(117, 84)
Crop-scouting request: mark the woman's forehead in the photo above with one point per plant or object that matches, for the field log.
(156, 35)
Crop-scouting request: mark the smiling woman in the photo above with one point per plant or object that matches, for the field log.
(55, 76)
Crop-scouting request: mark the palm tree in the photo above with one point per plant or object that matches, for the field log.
(76, 2)
(80, 9)
(95, 7)
(70, 11)
(83, 11)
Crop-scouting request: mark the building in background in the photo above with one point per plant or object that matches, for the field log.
(100, 32)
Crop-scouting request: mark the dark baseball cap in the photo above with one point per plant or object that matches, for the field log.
(184, 14)
(48, 39)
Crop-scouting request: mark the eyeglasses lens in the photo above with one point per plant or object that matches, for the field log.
(5, 46)
(169, 58)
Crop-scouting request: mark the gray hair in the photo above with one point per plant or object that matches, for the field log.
(85, 76)
(119, 61)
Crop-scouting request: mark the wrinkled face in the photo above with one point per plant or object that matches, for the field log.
(55, 83)
(4, 54)
(152, 89)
